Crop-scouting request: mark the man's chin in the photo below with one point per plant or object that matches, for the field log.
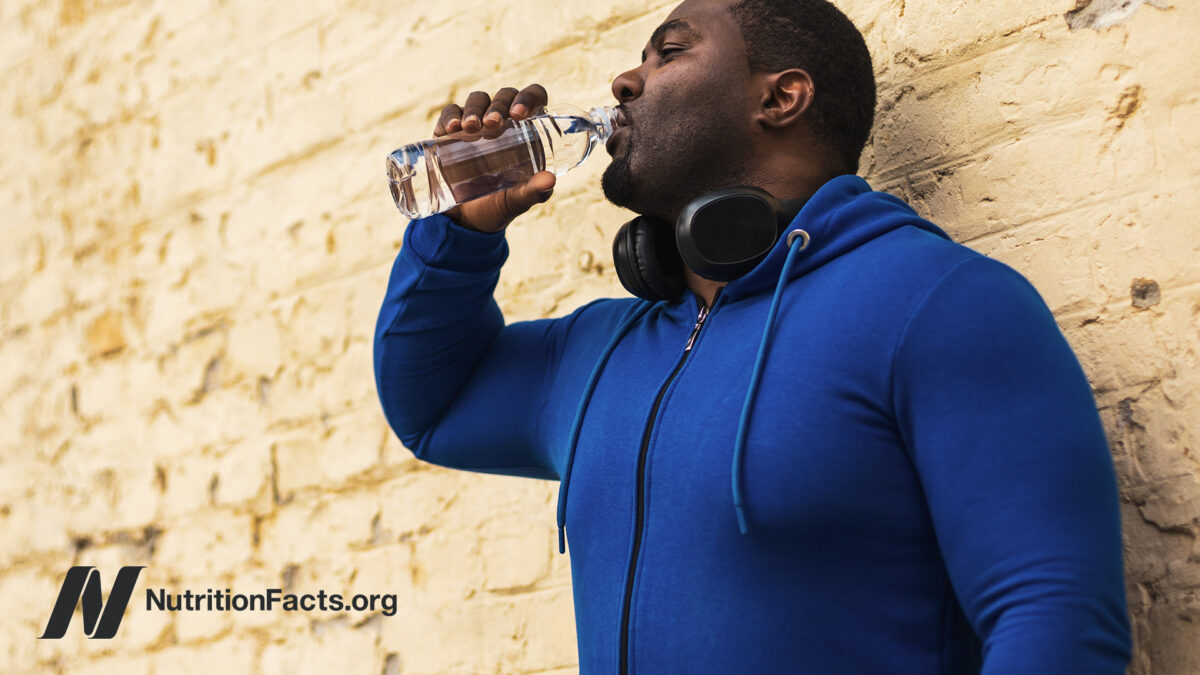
(618, 185)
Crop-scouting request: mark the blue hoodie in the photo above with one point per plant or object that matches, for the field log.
(874, 454)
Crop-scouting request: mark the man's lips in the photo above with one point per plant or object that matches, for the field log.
(621, 122)
(615, 140)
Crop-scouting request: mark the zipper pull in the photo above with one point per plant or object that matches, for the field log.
(696, 329)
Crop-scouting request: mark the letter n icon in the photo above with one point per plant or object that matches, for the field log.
(82, 587)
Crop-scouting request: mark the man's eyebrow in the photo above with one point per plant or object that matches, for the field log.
(679, 25)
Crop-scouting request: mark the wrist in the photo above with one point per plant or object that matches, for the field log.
(472, 228)
(441, 243)
(465, 226)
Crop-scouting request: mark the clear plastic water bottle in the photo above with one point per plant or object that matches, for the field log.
(438, 174)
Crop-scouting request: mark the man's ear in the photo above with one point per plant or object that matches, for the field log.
(785, 97)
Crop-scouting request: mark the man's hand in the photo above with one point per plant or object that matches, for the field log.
(492, 213)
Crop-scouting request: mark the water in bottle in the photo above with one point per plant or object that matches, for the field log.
(435, 175)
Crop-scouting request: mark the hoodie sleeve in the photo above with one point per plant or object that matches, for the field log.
(1004, 433)
(458, 387)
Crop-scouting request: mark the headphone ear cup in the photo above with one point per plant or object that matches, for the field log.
(646, 260)
(724, 234)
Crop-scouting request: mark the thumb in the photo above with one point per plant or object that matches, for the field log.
(533, 191)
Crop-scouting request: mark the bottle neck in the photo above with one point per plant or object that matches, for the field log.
(602, 118)
(605, 119)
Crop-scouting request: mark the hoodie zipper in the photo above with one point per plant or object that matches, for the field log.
(641, 485)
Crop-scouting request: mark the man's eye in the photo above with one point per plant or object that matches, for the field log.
(667, 54)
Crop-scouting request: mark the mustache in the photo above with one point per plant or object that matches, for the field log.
(625, 114)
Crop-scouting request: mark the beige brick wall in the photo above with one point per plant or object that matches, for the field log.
(197, 235)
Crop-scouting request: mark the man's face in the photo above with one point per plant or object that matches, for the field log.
(687, 107)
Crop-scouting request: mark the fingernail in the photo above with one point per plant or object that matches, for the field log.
(492, 117)
(518, 109)
(471, 118)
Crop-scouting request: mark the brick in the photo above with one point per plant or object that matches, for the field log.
(32, 527)
(230, 655)
(528, 630)
(326, 651)
(458, 632)
(32, 593)
(291, 535)
(204, 545)
(325, 457)
(242, 475)
(517, 560)
(255, 345)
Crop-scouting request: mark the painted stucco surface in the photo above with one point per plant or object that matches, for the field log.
(197, 236)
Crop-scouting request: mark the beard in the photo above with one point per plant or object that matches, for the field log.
(680, 155)
(617, 181)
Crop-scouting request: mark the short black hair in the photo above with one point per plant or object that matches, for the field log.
(818, 38)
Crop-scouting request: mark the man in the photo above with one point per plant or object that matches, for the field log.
(872, 453)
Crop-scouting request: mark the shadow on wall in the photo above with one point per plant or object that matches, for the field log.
(1059, 146)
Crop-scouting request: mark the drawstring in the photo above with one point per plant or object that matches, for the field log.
(739, 448)
(743, 422)
(583, 404)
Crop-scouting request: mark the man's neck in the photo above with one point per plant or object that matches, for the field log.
(705, 289)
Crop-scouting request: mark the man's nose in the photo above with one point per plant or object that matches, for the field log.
(628, 85)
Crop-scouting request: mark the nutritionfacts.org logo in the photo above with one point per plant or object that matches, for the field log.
(82, 588)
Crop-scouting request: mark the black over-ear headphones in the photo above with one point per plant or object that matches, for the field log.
(720, 236)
